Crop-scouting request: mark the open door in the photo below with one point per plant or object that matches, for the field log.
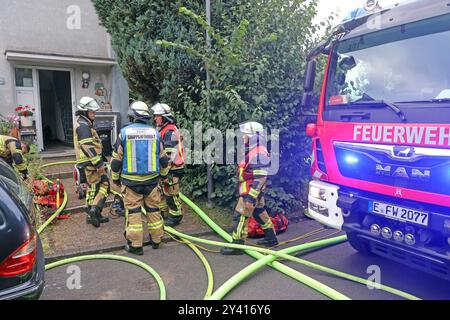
(56, 105)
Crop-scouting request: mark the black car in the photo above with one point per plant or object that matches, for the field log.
(21, 254)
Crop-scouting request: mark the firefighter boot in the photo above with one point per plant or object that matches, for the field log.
(270, 239)
(232, 251)
(173, 221)
(93, 216)
(88, 220)
(100, 218)
(139, 251)
(153, 244)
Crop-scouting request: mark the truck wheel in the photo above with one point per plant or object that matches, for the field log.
(360, 245)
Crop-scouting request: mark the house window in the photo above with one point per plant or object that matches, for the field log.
(24, 77)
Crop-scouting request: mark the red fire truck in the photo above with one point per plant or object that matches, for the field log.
(381, 144)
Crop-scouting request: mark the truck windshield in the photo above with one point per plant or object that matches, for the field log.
(407, 63)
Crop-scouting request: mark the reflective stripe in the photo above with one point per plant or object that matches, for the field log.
(87, 140)
(164, 172)
(103, 191)
(96, 159)
(241, 226)
(254, 193)
(180, 149)
(260, 172)
(243, 188)
(156, 225)
(134, 155)
(267, 225)
(129, 155)
(21, 166)
(115, 175)
(153, 151)
(241, 172)
(135, 227)
(175, 212)
(139, 178)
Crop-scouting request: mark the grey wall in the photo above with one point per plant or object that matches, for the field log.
(41, 26)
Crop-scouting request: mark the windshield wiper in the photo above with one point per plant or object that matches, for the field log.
(443, 100)
(377, 103)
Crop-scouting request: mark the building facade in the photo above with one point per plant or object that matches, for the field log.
(52, 53)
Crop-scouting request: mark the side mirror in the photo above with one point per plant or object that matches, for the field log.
(310, 78)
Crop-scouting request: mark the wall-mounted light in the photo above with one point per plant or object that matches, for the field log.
(86, 77)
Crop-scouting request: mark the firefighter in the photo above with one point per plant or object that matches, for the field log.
(252, 179)
(12, 151)
(138, 163)
(88, 150)
(173, 146)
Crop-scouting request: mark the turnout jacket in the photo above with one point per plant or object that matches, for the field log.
(11, 152)
(252, 172)
(173, 146)
(88, 146)
(139, 158)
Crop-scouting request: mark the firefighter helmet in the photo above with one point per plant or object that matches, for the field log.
(161, 109)
(88, 104)
(139, 110)
(251, 128)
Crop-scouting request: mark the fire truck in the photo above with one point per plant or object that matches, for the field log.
(381, 143)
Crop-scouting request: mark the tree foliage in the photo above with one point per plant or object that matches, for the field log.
(256, 61)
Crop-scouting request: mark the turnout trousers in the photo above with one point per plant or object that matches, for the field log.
(142, 212)
(170, 203)
(241, 215)
(98, 190)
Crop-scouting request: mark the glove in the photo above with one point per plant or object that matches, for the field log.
(117, 183)
(249, 203)
(101, 170)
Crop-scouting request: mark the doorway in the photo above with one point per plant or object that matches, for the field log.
(55, 96)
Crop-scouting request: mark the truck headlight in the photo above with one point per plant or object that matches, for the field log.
(317, 193)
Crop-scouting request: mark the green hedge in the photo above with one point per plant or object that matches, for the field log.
(257, 62)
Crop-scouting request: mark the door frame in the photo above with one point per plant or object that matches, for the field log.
(37, 95)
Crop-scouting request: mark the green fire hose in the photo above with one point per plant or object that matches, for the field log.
(146, 267)
(135, 262)
(282, 254)
(251, 269)
(246, 272)
(312, 283)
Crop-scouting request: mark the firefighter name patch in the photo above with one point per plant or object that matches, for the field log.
(140, 133)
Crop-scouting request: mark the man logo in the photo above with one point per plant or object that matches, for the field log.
(399, 193)
(403, 152)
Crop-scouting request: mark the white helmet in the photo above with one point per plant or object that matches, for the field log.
(139, 110)
(88, 104)
(251, 128)
(161, 109)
